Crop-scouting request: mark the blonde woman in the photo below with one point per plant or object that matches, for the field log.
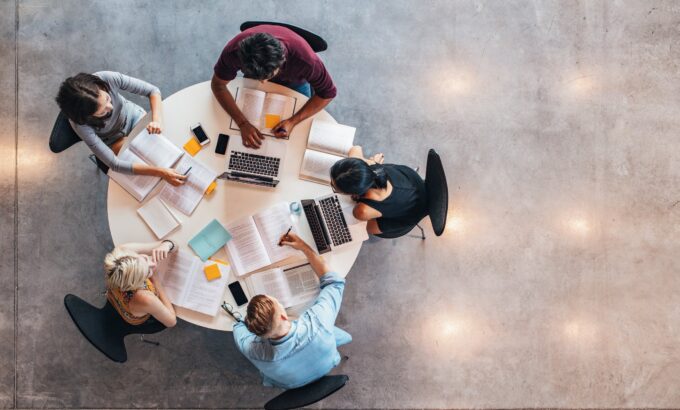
(132, 288)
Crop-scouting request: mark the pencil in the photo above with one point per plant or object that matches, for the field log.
(286, 234)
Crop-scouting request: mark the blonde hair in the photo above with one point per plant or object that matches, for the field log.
(260, 315)
(125, 270)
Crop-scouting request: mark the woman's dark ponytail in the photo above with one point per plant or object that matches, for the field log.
(354, 176)
(379, 176)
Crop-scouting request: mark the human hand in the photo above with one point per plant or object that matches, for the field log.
(173, 177)
(378, 158)
(154, 127)
(251, 136)
(160, 252)
(293, 241)
(284, 128)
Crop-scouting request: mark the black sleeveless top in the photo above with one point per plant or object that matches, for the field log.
(408, 199)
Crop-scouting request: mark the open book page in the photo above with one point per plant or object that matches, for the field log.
(276, 108)
(205, 296)
(186, 197)
(272, 282)
(155, 149)
(176, 272)
(246, 250)
(316, 166)
(272, 223)
(158, 217)
(251, 103)
(139, 186)
(302, 283)
(330, 137)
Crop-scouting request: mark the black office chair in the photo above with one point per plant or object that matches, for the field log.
(308, 394)
(63, 137)
(437, 193)
(105, 329)
(317, 43)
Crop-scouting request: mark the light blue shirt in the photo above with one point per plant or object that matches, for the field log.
(308, 352)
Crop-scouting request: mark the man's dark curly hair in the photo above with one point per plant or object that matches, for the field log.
(260, 54)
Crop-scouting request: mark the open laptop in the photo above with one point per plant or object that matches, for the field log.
(331, 222)
(260, 166)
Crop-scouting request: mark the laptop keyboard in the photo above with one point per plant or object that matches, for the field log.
(315, 225)
(254, 164)
(335, 220)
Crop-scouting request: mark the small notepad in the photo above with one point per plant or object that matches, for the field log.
(211, 238)
(270, 120)
(212, 272)
(192, 146)
(159, 217)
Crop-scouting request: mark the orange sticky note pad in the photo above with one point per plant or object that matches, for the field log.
(212, 272)
(270, 120)
(211, 188)
(192, 146)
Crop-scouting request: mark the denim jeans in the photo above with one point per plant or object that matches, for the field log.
(341, 337)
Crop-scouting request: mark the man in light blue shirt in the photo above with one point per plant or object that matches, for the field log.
(291, 354)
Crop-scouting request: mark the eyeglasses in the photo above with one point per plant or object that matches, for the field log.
(232, 312)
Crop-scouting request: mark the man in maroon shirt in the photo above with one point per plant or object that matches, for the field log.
(278, 54)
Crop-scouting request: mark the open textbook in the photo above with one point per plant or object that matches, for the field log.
(155, 150)
(263, 110)
(292, 285)
(327, 144)
(186, 197)
(181, 274)
(255, 239)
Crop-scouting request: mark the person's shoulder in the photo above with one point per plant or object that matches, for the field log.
(143, 297)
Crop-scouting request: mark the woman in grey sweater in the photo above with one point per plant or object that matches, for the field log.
(102, 117)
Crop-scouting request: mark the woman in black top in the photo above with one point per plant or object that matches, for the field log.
(390, 197)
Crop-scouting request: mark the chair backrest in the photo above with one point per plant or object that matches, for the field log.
(308, 394)
(104, 328)
(317, 43)
(62, 135)
(437, 192)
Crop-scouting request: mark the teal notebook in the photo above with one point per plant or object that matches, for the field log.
(211, 238)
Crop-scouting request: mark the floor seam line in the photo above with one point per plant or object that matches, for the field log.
(16, 198)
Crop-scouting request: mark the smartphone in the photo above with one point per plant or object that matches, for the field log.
(222, 142)
(238, 294)
(201, 136)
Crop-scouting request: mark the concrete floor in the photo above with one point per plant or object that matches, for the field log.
(556, 285)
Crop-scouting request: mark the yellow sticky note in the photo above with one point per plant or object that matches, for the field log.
(192, 146)
(211, 188)
(270, 120)
(212, 272)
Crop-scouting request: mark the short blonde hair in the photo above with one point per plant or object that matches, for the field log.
(260, 315)
(125, 270)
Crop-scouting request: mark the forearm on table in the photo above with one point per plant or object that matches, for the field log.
(144, 169)
(163, 296)
(313, 105)
(227, 102)
(317, 261)
(155, 100)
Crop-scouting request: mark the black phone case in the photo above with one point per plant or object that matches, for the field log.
(222, 142)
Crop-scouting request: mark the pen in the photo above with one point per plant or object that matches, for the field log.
(187, 171)
(286, 234)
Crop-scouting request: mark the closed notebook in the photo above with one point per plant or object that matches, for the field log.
(211, 238)
(158, 217)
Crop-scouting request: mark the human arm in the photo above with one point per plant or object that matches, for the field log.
(140, 87)
(155, 126)
(358, 152)
(251, 136)
(327, 305)
(159, 306)
(317, 261)
(243, 338)
(311, 107)
(111, 160)
(157, 250)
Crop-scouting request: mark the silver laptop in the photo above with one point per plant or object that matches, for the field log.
(331, 223)
(260, 166)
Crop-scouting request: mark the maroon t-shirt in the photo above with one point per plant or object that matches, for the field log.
(302, 64)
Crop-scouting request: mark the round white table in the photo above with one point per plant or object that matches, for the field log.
(230, 200)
